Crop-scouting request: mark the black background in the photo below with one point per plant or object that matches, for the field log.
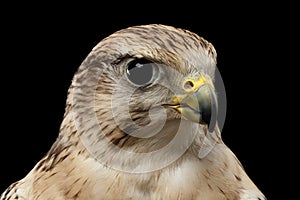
(42, 48)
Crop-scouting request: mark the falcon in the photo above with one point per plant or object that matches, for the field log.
(141, 122)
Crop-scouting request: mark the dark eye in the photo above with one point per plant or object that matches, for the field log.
(141, 71)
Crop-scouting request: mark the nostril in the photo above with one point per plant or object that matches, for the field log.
(188, 85)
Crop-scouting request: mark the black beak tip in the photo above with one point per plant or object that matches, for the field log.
(209, 118)
(206, 117)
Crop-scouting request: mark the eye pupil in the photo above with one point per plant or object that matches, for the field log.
(140, 71)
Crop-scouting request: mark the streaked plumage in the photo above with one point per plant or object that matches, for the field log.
(81, 166)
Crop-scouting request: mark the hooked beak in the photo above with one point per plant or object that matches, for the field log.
(199, 104)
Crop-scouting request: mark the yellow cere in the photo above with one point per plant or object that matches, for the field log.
(197, 83)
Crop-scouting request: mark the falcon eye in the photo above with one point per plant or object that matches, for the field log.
(140, 72)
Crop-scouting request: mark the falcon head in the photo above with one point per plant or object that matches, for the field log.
(142, 101)
(146, 94)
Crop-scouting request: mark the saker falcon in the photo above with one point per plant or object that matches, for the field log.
(141, 123)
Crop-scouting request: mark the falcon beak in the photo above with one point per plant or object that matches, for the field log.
(199, 103)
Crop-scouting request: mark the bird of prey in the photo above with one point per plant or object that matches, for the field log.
(141, 123)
